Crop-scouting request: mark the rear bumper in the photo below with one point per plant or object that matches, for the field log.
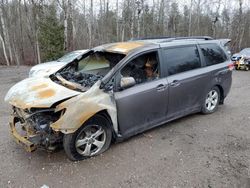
(22, 140)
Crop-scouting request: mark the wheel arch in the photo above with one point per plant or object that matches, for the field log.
(221, 93)
(69, 140)
(104, 113)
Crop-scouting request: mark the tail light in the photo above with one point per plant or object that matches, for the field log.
(231, 66)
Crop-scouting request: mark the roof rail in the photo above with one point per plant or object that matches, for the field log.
(194, 37)
(173, 38)
(150, 38)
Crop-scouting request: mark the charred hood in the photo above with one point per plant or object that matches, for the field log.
(37, 93)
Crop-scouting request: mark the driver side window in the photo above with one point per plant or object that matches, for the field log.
(143, 68)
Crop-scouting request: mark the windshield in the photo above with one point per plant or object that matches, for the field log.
(86, 71)
(69, 56)
(94, 62)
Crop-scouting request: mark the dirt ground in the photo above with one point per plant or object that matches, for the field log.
(195, 151)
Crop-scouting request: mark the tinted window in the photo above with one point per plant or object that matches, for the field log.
(213, 54)
(182, 59)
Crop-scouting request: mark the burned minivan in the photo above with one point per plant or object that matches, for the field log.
(117, 90)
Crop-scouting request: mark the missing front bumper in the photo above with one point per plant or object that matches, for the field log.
(22, 140)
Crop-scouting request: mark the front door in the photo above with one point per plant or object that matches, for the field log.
(143, 105)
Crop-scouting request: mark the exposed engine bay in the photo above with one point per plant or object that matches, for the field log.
(84, 80)
(35, 124)
(83, 73)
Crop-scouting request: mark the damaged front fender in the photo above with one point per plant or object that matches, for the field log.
(82, 107)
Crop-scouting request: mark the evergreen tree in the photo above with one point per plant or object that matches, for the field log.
(50, 35)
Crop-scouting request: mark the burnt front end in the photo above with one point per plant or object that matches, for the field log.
(31, 128)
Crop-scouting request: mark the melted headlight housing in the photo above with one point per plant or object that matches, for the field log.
(36, 123)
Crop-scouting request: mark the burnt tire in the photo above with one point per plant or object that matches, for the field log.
(91, 139)
(211, 101)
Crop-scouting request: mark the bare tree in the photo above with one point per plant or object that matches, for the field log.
(5, 37)
(190, 17)
(20, 16)
(241, 28)
(4, 51)
(90, 25)
(117, 20)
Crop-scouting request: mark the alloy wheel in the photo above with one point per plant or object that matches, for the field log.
(90, 141)
(212, 100)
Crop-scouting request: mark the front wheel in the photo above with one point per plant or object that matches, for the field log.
(211, 102)
(92, 138)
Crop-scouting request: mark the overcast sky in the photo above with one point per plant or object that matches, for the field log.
(231, 4)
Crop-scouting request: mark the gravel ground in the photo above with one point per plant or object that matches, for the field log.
(194, 151)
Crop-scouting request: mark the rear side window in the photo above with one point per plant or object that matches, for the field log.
(213, 54)
(182, 59)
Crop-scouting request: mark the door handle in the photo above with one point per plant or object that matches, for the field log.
(175, 83)
(161, 87)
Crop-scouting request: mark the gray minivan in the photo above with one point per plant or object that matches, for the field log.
(117, 90)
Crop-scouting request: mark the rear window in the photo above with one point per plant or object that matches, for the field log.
(213, 54)
(182, 59)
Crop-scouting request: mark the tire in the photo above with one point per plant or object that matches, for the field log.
(211, 101)
(91, 139)
(246, 68)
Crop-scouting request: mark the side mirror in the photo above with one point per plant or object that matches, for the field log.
(127, 82)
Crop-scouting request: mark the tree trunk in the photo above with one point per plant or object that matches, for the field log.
(117, 20)
(132, 21)
(240, 26)
(190, 18)
(70, 27)
(36, 20)
(21, 31)
(143, 18)
(65, 24)
(138, 25)
(6, 35)
(15, 50)
(30, 32)
(198, 17)
(73, 36)
(8, 39)
(123, 31)
(90, 25)
(4, 51)
(241, 38)
(37, 48)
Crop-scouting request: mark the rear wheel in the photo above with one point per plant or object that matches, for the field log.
(246, 68)
(93, 138)
(211, 102)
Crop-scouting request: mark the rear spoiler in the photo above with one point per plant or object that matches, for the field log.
(224, 42)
